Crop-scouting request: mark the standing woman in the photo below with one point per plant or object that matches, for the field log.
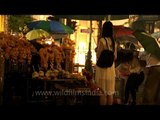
(105, 77)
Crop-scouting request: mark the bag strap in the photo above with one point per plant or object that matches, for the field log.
(107, 43)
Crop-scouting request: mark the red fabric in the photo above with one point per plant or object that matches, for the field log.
(122, 31)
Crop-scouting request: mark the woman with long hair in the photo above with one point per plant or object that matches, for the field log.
(105, 77)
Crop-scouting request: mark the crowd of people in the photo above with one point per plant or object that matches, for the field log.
(136, 69)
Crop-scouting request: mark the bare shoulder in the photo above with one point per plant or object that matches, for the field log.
(102, 41)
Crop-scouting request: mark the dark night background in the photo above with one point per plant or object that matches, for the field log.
(79, 7)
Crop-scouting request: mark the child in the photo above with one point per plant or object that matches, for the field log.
(134, 80)
(122, 73)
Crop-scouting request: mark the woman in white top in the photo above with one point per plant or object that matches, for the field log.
(105, 77)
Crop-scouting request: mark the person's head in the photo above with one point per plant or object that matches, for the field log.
(142, 63)
(107, 30)
(128, 56)
(130, 46)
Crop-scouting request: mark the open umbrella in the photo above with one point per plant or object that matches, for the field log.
(36, 34)
(127, 38)
(129, 41)
(148, 42)
(50, 26)
(59, 36)
(120, 30)
(156, 34)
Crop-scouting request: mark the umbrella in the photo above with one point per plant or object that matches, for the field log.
(148, 42)
(127, 38)
(129, 41)
(156, 34)
(36, 34)
(120, 30)
(59, 36)
(50, 26)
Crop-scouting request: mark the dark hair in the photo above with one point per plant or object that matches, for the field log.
(107, 31)
(142, 63)
(124, 55)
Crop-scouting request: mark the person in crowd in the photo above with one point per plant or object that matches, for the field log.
(122, 72)
(134, 80)
(152, 82)
(151, 94)
(35, 62)
(105, 77)
(36, 43)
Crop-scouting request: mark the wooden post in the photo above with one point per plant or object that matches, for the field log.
(1, 75)
(88, 64)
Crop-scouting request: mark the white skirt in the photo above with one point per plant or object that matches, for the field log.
(105, 79)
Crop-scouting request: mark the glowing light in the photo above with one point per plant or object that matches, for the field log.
(81, 45)
(141, 49)
(49, 40)
(122, 46)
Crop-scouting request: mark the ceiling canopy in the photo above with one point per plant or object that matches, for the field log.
(93, 17)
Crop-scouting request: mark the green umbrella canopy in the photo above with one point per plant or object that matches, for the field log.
(148, 42)
(156, 34)
(50, 26)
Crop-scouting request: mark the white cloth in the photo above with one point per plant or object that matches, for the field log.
(150, 59)
(105, 77)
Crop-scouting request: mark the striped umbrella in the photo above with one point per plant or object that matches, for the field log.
(148, 42)
(50, 26)
(156, 34)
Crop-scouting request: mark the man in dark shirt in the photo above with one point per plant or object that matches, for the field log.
(35, 62)
(132, 85)
(133, 82)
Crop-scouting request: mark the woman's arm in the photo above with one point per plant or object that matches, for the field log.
(100, 47)
(115, 52)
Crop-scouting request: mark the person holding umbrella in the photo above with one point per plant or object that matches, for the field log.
(35, 37)
(152, 57)
(35, 62)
